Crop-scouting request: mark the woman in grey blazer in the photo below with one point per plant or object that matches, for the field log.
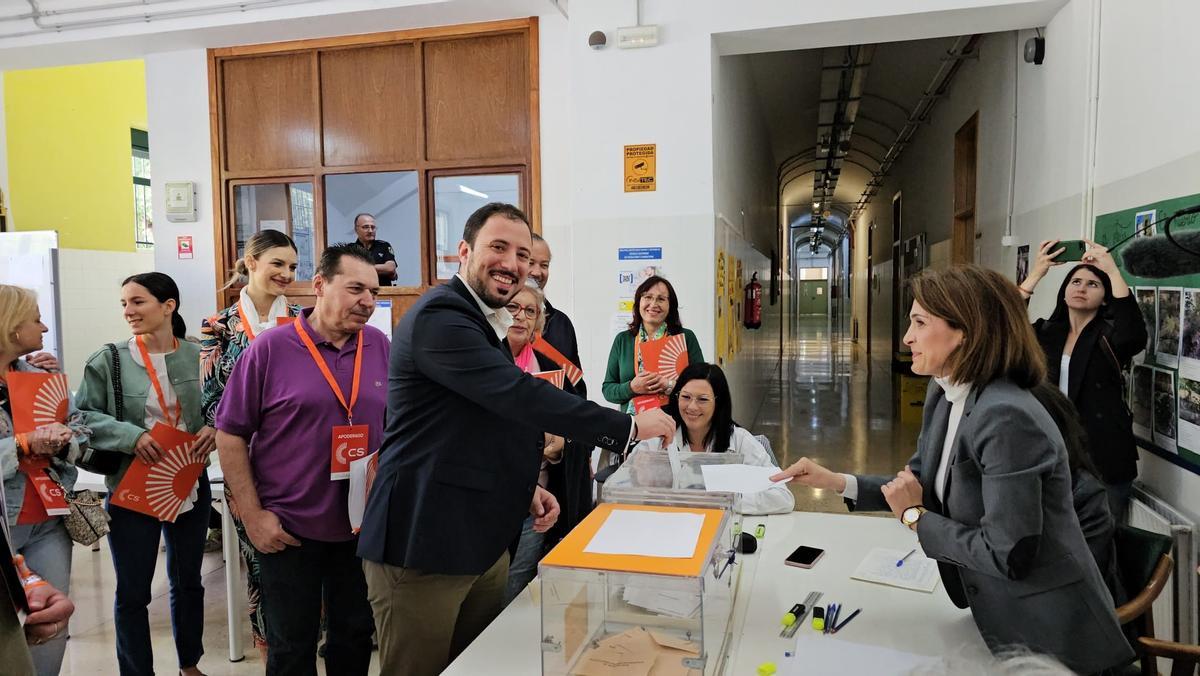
(988, 491)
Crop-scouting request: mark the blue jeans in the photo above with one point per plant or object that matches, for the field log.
(133, 539)
(295, 583)
(524, 564)
(46, 547)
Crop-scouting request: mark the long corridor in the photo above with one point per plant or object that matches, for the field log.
(836, 406)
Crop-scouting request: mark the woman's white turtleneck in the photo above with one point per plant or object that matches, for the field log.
(956, 394)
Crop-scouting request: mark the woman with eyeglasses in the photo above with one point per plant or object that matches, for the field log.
(528, 311)
(655, 315)
(1090, 340)
(703, 413)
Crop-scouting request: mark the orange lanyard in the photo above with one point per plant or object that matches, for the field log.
(246, 325)
(158, 390)
(333, 385)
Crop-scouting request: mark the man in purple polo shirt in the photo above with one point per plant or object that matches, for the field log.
(283, 416)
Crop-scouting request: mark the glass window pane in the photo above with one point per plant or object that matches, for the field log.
(393, 199)
(455, 198)
(266, 207)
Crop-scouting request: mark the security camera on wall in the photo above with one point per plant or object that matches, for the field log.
(597, 40)
(1035, 50)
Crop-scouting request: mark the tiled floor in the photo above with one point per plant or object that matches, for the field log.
(833, 405)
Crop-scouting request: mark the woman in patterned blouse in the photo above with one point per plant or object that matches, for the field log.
(266, 270)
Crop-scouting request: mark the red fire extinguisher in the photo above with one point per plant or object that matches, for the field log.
(752, 304)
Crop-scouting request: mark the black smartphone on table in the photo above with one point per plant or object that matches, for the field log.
(1073, 250)
(805, 557)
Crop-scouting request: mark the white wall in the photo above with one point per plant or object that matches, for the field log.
(180, 150)
(90, 298)
(744, 185)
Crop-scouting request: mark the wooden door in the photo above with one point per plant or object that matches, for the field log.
(965, 163)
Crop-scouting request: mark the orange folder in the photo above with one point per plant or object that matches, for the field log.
(555, 377)
(159, 490)
(570, 552)
(666, 356)
(38, 399)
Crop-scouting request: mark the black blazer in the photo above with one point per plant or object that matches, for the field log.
(460, 455)
(560, 332)
(1103, 351)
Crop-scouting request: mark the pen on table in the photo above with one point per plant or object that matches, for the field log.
(905, 557)
(831, 616)
(847, 620)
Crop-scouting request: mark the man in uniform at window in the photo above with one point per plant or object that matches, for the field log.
(380, 251)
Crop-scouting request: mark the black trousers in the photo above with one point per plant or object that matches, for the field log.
(295, 582)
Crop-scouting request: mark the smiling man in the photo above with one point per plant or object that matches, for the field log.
(301, 401)
(459, 465)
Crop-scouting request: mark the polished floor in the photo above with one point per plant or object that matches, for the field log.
(830, 403)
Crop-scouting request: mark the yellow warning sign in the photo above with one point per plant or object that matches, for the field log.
(639, 168)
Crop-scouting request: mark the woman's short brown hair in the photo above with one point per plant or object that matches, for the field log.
(998, 340)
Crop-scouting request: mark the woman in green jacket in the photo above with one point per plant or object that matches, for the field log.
(655, 315)
(160, 383)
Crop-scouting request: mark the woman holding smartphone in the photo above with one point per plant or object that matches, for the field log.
(157, 375)
(1089, 341)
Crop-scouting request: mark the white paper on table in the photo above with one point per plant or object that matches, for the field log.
(362, 475)
(745, 479)
(816, 654)
(683, 605)
(671, 535)
(918, 573)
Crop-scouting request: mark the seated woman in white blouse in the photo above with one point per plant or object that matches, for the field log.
(703, 413)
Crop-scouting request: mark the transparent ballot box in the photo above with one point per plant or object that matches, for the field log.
(644, 585)
(668, 469)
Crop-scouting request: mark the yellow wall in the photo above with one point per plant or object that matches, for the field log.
(69, 151)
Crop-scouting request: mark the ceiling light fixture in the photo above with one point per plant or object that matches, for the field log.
(474, 193)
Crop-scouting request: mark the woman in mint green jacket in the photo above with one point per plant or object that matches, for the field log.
(655, 315)
(160, 384)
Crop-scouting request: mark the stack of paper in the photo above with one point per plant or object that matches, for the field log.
(918, 572)
(638, 652)
(675, 604)
(629, 532)
(816, 654)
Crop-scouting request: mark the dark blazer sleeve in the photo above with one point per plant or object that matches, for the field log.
(451, 349)
(1013, 454)
(870, 488)
(1128, 333)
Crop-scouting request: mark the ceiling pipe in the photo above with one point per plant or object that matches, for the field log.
(38, 15)
(963, 48)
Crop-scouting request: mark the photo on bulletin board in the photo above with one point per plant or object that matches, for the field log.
(1166, 418)
(1166, 346)
(1142, 401)
(1189, 413)
(1189, 347)
(1142, 219)
(1022, 263)
(1147, 300)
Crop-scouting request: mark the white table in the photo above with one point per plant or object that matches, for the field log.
(915, 622)
(230, 549)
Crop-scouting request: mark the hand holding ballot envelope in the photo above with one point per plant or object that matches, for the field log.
(805, 472)
(655, 423)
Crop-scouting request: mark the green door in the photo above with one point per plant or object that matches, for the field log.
(814, 297)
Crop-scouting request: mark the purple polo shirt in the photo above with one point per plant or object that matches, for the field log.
(277, 399)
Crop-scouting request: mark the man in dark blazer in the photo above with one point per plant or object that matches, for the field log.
(459, 464)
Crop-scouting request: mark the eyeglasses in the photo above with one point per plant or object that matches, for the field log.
(685, 399)
(531, 311)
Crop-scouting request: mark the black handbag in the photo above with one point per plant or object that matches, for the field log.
(100, 461)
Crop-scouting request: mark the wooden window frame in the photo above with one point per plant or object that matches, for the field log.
(528, 168)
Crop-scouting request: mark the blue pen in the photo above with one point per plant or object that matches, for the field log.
(830, 621)
(905, 557)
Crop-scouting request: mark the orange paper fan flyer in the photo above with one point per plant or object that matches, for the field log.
(159, 490)
(667, 355)
(555, 377)
(38, 399)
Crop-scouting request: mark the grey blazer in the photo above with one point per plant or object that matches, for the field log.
(1007, 540)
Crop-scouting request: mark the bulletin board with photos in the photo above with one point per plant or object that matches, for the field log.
(1164, 383)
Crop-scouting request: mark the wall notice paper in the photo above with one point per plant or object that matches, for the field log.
(381, 318)
(743, 479)
(166, 488)
(816, 654)
(670, 535)
(918, 572)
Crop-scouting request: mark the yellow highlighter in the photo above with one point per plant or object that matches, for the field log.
(818, 621)
(790, 617)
